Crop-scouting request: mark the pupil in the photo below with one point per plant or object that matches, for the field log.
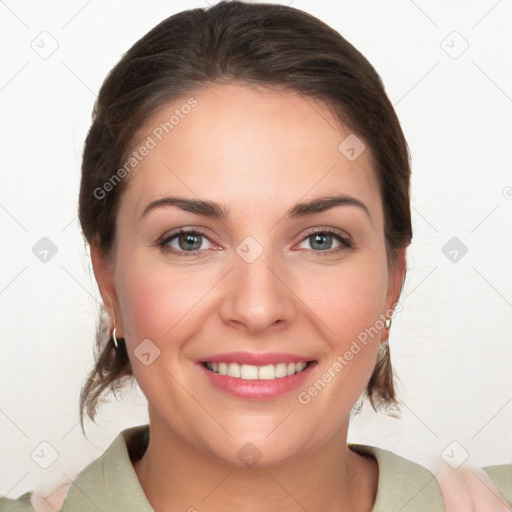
(320, 241)
(192, 240)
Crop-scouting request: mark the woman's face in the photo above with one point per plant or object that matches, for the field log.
(275, 278)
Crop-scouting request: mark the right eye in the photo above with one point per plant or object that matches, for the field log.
(185, 242)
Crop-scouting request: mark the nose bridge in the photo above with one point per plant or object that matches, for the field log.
(256, 297)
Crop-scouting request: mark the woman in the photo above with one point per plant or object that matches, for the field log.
(245, 195)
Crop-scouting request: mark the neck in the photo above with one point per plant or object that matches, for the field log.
(177, 476)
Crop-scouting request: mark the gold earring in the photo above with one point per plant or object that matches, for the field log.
(114, 337)
(388, 323)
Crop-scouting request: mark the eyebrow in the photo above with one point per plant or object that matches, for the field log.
(215, 210)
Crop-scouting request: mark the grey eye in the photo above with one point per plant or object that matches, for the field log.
(321, 241)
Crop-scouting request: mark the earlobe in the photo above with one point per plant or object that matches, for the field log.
(395, 282)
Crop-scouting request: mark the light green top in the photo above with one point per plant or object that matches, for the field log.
(110, 484)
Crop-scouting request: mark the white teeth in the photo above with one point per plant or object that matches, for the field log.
(280, 370)
(290, 368)
(233, 370)
(267, 372)
(248, 372)
(251, 372)
(300, 366)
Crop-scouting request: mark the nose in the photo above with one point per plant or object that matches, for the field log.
(257, 296)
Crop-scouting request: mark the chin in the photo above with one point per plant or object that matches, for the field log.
(257, 453)
(269, 444)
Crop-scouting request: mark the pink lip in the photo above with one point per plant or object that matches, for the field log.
(257, 389)
(255, 358)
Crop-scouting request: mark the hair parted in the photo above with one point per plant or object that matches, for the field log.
(267, 45)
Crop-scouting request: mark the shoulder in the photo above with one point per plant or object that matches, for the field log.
(34, 502)
(108, 483)
(22, 504)
(501, 477)
(403, 485)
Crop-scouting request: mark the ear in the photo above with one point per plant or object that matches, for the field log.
(104, 274)
(395, 281)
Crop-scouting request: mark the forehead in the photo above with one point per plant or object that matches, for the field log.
(234, 143)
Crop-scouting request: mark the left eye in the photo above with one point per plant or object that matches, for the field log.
(324, 240)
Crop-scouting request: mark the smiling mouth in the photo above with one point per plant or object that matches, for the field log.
(252, 372)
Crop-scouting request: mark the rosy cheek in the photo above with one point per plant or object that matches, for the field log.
(157, 302)
(143, 302)
(348, 303)
(141, 312)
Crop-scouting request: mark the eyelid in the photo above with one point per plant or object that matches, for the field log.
(182, 231)
(329, 230)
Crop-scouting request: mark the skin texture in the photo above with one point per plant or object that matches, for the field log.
(256, 152)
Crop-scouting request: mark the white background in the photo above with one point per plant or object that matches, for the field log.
(451, 346)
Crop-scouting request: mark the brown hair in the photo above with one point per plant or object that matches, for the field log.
(262, 44)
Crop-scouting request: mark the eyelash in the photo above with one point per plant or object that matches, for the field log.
(345, 242)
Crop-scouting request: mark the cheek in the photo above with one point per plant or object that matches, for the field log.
(349, 305)
(157, 302)
(347, 300)
(151, 303)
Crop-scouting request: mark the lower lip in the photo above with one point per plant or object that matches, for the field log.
(257, 389)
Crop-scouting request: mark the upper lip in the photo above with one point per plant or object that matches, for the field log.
(255, 358)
